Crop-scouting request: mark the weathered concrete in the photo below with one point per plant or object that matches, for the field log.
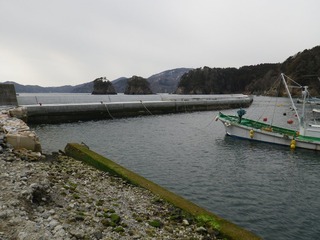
(8, 95)
(228, 229)
(81, 98)
(57, 113)
(17, 133)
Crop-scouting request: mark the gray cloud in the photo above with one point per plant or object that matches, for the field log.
(52, 43)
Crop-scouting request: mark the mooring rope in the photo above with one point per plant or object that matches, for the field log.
(213, 119)
(185, 105)
(108, 110)
(145, 107)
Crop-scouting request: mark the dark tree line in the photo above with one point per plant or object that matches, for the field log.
(256, 79)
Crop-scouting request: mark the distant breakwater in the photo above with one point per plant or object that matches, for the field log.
(52, 109)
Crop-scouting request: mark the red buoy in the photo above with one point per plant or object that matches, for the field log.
(265, 119)
(290, 121)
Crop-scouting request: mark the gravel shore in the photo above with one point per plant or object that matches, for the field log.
(57, 197)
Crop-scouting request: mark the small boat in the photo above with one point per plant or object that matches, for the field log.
(313, 100)
(305, 136)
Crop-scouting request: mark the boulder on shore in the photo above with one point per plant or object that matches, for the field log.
(16, 132)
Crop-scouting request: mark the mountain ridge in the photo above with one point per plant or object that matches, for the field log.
(252, 79)
(167, 83)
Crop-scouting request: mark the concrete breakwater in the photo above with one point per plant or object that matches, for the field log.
(68, 109)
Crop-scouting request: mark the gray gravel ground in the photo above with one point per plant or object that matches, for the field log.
(57, 197)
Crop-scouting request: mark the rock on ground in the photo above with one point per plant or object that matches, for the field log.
(61, 198)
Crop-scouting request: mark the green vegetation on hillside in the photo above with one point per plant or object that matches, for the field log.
(138, 85)
(304, 67)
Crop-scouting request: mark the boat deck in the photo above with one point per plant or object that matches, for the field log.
(258, 125)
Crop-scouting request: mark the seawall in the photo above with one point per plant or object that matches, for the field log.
(8, 95)
(70, 109)
(226, 228)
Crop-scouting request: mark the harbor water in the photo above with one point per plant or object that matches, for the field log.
(267, 189)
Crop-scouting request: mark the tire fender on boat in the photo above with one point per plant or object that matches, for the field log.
(251, 133)
(293, 144)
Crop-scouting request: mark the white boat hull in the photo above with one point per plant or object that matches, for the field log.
(303, 137)
(237, 130)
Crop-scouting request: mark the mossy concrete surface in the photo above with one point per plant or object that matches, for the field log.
(226, 228)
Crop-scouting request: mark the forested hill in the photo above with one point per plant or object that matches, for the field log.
(222, 80)
(304, 67)
(256, 79)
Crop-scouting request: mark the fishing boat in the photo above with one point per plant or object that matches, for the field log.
(313, 100)
(305, 136)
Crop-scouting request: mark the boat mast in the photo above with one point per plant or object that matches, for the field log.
(300, 120)
(304, 96)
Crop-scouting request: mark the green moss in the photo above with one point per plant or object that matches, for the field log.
(208, 221)
(72, 186)
(80, 216)
(124, 225)
(105, 210)
(178, 215)
(115, 218)
(156, 223)
(118, 229)
(100, 202)
(81, 213)
(90, 200)
(76, 196)
(150, 232)
(139, 219)
(106, 222)
(157, 200)
(99, 214)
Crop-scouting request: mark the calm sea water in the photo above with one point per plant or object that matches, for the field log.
(267, 189)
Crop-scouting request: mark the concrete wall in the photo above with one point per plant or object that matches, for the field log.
(82, 112)
(8, 95)
(81, 98)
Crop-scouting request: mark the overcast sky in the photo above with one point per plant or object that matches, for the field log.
(69, 42)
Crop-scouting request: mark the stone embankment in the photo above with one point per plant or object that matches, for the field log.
(57, 197)
(17, 133)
